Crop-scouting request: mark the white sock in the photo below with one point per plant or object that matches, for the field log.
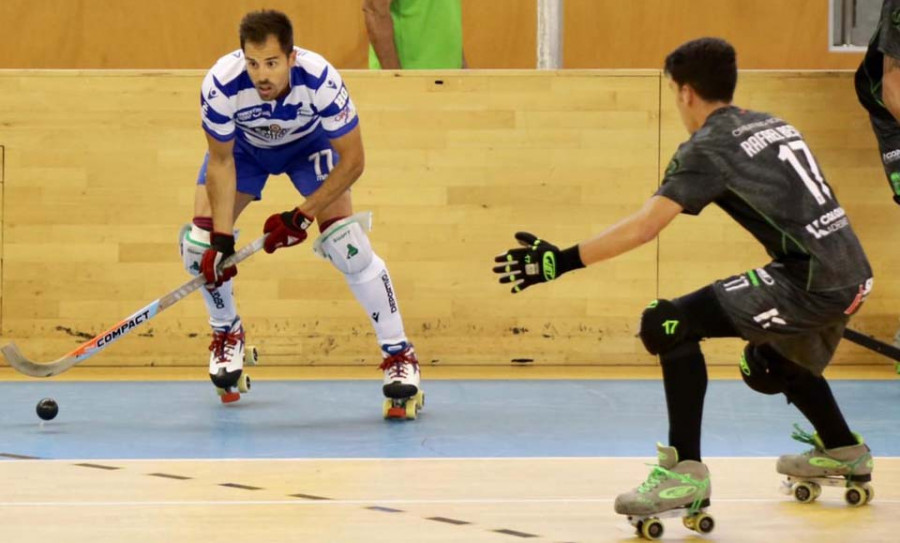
(375, 292)
(219, 302)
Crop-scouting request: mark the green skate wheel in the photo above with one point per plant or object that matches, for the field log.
(244, 383)
(855, 496)
(689, 522)
(652, 529)
(804, 492)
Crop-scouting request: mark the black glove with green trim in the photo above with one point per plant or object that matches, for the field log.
(536, 262)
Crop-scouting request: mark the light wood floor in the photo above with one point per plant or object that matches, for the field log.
(472, 500)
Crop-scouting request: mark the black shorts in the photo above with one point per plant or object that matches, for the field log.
(766, 306)
(887, 132)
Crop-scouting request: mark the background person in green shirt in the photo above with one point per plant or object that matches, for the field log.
(414, 34)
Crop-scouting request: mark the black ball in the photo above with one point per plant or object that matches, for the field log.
(47, 409)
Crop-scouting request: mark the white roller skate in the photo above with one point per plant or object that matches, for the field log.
(848, 467)
(673, 489)
(226, 361)
(403, 396)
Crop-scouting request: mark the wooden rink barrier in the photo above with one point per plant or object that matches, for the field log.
(99, 176)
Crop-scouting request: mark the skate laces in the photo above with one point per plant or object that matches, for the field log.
(657, 475)
(223, 344)
(396, 364)
(806, 437)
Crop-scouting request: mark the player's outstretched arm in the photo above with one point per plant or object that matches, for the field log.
(890, 86)
(538, 261)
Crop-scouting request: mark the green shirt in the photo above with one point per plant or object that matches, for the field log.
(427, 34)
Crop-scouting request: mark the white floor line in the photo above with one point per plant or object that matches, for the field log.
(376, 502)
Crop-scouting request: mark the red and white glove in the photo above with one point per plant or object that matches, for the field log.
(286, 229)
(221, 246)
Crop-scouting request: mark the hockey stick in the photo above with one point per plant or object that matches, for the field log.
(873, 344)
(17, 360)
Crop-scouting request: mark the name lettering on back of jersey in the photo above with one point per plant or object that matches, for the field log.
(761, 140)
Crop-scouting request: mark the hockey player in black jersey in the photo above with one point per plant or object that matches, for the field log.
(791, 311)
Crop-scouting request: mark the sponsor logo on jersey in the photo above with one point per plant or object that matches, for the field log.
(342, 98)
(768, 318)
(828, 223)
(212, 94)
(673, 166)
(330, 84)
(253, 113)
(891, 156)
(344, 116)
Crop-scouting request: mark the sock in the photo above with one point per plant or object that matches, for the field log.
(375, 292)
(685, 379)
(813, 397)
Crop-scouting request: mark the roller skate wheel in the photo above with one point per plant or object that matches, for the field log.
(386, 408)
(855, 496)
(870, 492)
(689, 522)
(244, 383)
(652, 528)
(704, 523)
(638, 526)
(251, 355)
(412, 409)
(804, 492)
(420, 399)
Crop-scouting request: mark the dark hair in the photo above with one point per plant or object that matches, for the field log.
(708, 65)
(257, 26)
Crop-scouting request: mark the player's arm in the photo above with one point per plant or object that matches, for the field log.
(221, 183)
(890, 86)
(538, 261)
(289, 228)
(380, 27)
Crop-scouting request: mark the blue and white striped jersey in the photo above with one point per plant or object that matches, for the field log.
(317, 102)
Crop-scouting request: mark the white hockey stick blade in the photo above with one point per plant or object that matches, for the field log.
(17, 360)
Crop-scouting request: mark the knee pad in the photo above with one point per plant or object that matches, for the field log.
(763, 369)
(192, 242)
(346, 245)
(662, 327)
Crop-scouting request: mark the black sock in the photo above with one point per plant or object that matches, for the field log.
(813, 397)
(684, 378)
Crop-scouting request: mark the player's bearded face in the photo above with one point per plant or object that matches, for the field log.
(269, 68)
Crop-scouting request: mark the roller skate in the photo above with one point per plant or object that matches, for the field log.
(403, 397)
(847, 467)
(226, 361)
(673, 489)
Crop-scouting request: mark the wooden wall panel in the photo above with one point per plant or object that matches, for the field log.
(768, 34)
(696, 251)
(100, 174)
(168, 34)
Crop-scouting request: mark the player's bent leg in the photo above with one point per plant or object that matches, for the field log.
(763, 370)
(346, 245)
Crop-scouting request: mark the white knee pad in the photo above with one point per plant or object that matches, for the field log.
(193, 242)
(346, 244)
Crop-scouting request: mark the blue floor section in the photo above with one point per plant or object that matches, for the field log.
(342, 419)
